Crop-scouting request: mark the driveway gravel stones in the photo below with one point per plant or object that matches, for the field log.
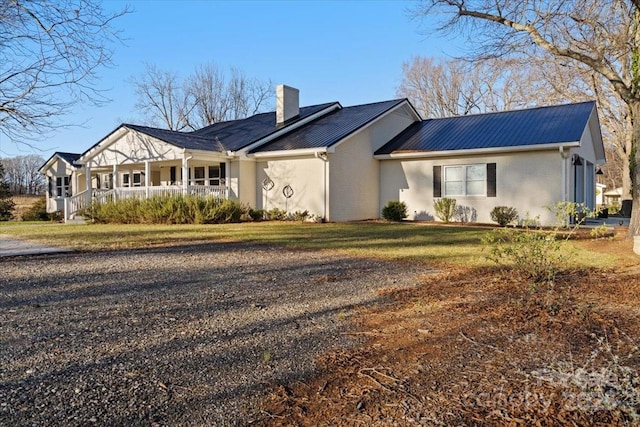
(182, 335)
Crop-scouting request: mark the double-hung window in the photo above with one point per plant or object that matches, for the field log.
(465, 180)
(62, 186)
(198, 173)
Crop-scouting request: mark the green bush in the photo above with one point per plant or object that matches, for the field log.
(276, 214)
(167, 210)
(535, 252)
(257, 214)
(37, 212)
(7, 206)
(532, 252)
(504, 215)
(300, 215)
(394, 211)
(445, 208)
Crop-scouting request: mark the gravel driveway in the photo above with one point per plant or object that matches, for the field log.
(185, 335)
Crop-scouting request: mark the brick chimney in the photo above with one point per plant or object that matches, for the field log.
(287, 103)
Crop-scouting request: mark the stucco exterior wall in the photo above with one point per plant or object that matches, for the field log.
(247, 176)
(354, 173)
(528, 181)
(305, 175)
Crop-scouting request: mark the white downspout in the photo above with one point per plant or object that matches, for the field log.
(325, 158)
(185, 171)
(564, 156)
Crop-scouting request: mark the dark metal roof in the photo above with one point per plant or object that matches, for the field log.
(181, 139)
(237, 134)
(224, 136)
(330, 128)
(67, 157)
(530, 127)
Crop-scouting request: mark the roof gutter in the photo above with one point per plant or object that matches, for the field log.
(317, 152)
(475, 151)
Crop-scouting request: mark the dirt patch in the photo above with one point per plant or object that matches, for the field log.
(483, 347)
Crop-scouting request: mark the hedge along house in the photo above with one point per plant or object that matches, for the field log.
(345, 163)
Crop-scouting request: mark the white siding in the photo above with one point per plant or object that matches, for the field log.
(355, 174)
(528, 181)
(58, 168)
(305, 175)
(242, 181)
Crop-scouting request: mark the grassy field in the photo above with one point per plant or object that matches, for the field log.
(429, 243)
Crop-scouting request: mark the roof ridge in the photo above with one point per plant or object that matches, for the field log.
(488, 113)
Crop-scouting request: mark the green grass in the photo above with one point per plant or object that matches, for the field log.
(443, 245)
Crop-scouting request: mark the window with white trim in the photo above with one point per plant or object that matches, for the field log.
(62, 186)
(198, 173)
(128, 182)
(465, 180)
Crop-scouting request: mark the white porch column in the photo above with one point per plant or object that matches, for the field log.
(147, 177)
(73, 182)
(227, 168)
(116, 179)
(185, 174)
(87, 176)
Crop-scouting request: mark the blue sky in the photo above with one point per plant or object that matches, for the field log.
(346, 51)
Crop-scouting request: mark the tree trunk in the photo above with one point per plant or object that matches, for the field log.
(634, 225)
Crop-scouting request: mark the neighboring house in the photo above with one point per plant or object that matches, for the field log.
(345, 163)
(600, 188)
(613, 196)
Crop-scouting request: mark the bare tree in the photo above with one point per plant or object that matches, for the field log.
(163, 99)
(50, 54)
(450, 87)
(21, 173)
(603, 37)
(206, 97)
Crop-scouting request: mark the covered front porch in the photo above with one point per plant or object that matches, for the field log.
(100, 184)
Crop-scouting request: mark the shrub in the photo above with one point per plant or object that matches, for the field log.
(504, 215)
(534, 252)
(276, 214)
(257, 214)
(167, 210)
(7, 206)
(445, 208)
(300, 215)
(37, 212)
(394, 211)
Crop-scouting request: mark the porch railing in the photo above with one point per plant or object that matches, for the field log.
(75, 203)
(79, 201)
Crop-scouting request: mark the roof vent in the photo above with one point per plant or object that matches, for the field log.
(287, 103)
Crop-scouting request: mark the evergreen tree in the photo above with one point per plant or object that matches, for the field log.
(6, 202)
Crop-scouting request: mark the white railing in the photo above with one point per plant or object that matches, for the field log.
(80, 201)
(75, 203)
(217, 191)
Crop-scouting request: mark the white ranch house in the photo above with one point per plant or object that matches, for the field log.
(346, 163)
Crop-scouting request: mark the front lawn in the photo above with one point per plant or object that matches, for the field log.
(432, 244)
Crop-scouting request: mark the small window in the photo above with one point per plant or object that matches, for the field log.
(62, 186)
(125, 180)
(137, 179)
(214, 175)
(172, 175)
(465, 180)
(198, 173)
